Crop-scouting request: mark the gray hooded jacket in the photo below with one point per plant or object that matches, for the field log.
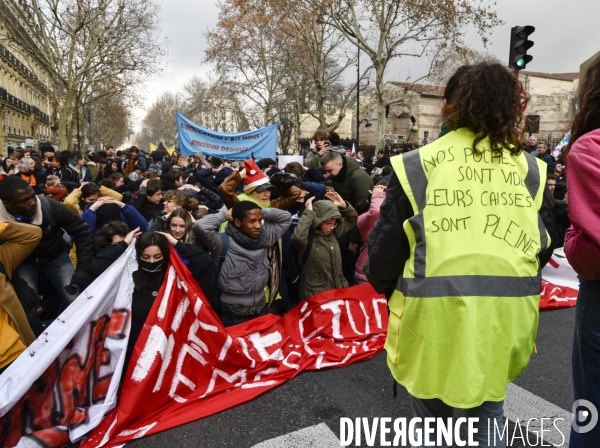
(244, 273)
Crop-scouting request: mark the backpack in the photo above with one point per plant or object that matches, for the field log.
(155, 167)
(215, 271)
(295, 265)
(47, 214)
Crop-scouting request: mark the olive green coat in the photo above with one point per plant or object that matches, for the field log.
(323, 268)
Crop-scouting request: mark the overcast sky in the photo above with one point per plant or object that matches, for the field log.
(567, 33)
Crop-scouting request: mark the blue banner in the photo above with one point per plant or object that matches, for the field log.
(259, 144)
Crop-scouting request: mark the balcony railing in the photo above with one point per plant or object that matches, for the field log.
(22, 105)
(22, 69)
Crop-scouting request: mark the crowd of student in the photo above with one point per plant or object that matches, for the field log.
(292, 233)
(257, 239)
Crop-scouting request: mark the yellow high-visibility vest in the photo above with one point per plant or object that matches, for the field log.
(464, 316)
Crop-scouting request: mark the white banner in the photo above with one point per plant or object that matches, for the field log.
(68, 379)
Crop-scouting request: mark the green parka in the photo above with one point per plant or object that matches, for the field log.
(323, 268)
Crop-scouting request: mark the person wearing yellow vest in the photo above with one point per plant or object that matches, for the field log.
(463, 274)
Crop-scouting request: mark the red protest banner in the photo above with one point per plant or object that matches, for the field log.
(186, 365)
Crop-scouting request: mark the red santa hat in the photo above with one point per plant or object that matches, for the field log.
(254, 177)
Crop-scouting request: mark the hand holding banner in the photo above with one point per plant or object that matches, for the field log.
(186, 365)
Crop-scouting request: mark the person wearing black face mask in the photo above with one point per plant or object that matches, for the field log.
(152, 250)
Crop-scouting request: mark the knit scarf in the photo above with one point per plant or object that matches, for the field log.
(262, 242)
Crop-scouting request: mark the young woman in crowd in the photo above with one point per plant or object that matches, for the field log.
(112, 166)
(153, 255)
(582, 246)
(318, 229)
(8, 166)
(174, 199)
(180, 235)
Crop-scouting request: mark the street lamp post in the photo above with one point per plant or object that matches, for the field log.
(78, 136)
(358, 99)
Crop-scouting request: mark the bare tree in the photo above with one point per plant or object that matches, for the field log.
(212, 104)
(84, 42)
(389, 29)
(109, 121)
(159, 124)
(252, 55)
(319, 53)
(452, 59)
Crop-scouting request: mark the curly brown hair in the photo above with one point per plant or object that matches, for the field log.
(588, 97)
(486, 98)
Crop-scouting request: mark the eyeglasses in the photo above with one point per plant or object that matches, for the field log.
(330, 225)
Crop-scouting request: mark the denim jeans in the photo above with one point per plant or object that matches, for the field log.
(586, 360)
(488, 412)
(59, 273)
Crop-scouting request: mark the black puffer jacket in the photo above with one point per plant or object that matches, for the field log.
(58, 219)
(146, 208)
(102, 261)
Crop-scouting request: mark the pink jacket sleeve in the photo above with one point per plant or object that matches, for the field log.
(582, 243)
(367, 220)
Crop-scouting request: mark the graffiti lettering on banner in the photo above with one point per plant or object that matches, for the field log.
(62, 386)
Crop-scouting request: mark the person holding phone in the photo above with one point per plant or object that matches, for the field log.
(319, 145)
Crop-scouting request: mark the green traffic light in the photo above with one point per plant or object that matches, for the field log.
(521, 62)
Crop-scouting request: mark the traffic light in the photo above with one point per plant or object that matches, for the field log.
(519, 44)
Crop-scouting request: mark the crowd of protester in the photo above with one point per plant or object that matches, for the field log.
(257, 239)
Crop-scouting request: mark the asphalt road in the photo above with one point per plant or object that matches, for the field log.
(361, 390)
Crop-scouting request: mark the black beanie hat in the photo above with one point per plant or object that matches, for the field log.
(107, 213)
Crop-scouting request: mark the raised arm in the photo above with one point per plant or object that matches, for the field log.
(207, 232)
(276, 222)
